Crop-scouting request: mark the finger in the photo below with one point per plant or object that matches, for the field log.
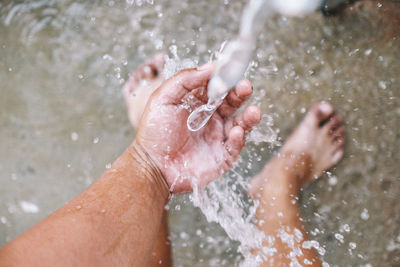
(250, 117)
(233, 145)
(236, 98)
(176, 87)
(240, 94)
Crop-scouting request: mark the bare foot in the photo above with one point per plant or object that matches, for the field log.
(317, 141)
(141, 84)
(315, 146)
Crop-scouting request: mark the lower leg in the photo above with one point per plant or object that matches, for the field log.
(278, 216)
(315, 146)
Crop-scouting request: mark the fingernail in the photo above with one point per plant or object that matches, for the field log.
(205, 66)
(242, 83)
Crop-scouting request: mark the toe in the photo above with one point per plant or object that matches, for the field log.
(337, 156)
(146, 71)
(129, 86)
(339, 131)
(319, 113)
(338, 141)
(332, 124)
(151, 69)
(143, 72)
(158, 64)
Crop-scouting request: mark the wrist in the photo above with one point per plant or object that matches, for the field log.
(146, 168)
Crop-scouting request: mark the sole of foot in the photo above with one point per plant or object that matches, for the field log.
(141, 84)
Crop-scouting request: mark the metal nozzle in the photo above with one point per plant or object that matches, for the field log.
(332, 7)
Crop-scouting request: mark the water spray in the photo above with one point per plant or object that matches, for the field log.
(236, 55)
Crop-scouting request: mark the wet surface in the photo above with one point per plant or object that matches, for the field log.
(62, 116)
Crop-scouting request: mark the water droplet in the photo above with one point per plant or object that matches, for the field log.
(74, 136)
(3, 220)
(107, 57)
(28, 207)
(307, 262)
(183, 235)
(364, 215)
(367, 52)
(382, 85)
(332, 180)
(339, 237)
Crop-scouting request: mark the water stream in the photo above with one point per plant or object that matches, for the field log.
(235, 57)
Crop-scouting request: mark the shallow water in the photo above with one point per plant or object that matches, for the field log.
(62, 116)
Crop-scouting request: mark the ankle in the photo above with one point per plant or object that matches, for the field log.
(283, 176)
(296, 167)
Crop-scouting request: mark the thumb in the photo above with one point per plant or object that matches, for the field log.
(176, 87)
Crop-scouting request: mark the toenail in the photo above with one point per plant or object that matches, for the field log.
(325, 108)
(147, 70)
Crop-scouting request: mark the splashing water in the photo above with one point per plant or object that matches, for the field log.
(219, 202)
(49, 55)
(223, 203)
(235, 58)
(174, 63)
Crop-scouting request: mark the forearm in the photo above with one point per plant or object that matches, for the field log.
(112, 223)
(161, 254)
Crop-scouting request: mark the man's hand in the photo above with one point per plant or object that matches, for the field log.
(188, 158)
